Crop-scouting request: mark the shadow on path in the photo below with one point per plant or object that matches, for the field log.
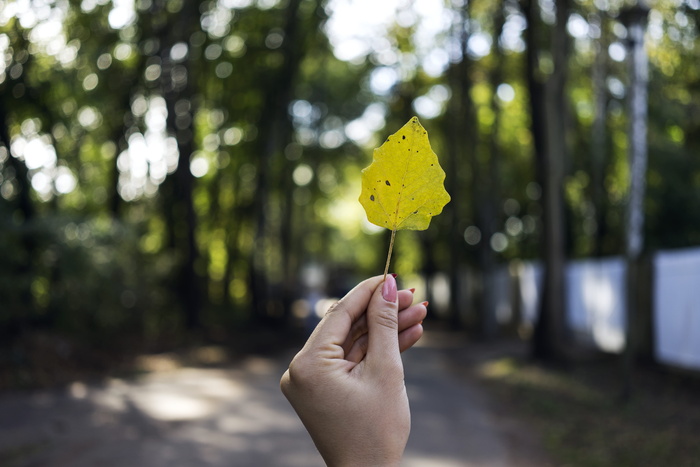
(237, 416)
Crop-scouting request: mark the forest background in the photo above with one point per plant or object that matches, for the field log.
(178, 170)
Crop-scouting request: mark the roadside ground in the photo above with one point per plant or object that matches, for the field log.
(234, 415)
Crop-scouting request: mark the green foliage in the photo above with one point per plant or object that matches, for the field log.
(186, 165)
(87, 279)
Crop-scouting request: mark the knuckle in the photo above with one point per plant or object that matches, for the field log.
(296, 375)
(334, 308)
(285, 383)
(387, 317)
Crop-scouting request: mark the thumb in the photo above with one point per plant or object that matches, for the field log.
(383, 327)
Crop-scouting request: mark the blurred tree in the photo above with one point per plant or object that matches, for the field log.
(548, 106)
(635, 18)
(599, 27)
(461, 131)
(178, 86)
(193, 161)
(273, 135)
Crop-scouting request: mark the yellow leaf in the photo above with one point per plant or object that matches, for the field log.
(403, 186)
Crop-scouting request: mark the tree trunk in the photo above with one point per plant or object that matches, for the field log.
(635, 19)
(25, 270)
(453, 183)
(548, 128)
(541, 347)
(177, 85)
(491, 191)
(598, 134)
(273, 128)
(484, 212)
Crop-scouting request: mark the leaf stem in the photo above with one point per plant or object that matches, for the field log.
(388, 256)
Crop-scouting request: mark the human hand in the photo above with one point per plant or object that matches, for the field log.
(347, 385)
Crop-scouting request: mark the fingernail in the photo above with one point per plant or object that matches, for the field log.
(413, 290)
(389, 291)
(395, 275)
(425, 304)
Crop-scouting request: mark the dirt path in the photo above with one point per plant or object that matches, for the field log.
(237, 417)
(454, 421)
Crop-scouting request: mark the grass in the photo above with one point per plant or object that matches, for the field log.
(584, 423)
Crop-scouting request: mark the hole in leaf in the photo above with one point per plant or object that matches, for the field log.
(387, 183)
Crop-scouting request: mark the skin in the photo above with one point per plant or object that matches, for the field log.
(347, 382)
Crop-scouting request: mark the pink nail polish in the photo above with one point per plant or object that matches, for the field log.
(389, 291)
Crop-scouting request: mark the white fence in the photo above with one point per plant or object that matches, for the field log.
(677, 307)
(596, 303)
(595, 300)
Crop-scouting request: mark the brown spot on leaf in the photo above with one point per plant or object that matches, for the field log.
(387, 183)
(371, 198)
